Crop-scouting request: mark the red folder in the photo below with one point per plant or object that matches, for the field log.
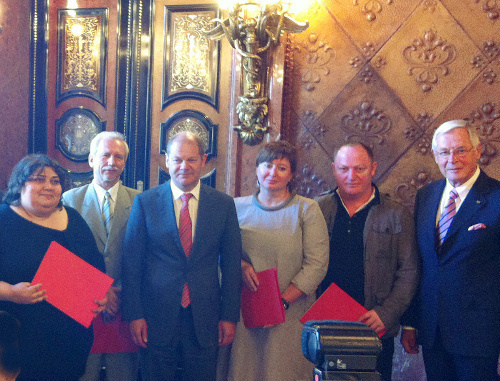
(112, 337)
(264, 306)
(72, 284)
(335, 304)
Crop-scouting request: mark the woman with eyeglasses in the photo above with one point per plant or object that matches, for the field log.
(53, 346)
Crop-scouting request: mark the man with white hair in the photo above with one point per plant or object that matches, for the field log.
(457, 311)
(105, 205)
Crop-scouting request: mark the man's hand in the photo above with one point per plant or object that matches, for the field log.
(372, 320)
(139, 332)
(226, 332)
(101, 305)
(409, 341)
(113, 305)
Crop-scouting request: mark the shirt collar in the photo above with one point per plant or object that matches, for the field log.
(177, 192)
(100, 191)
(462, 190)
(375, 196)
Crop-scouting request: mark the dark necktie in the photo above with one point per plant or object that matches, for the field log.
(186, 236)
(446, 218)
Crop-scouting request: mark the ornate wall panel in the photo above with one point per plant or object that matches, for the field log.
(192, 61)
(90, 71)
(81, 73)
(479, 18)
(429, 60)
(81, 45)
(75, 129)
(187, 70)
(370, 22)
(325, 60)
(193, 121)
(388, 73)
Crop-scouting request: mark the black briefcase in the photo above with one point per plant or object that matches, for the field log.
(341, 346)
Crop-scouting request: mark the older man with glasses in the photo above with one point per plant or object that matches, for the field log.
(458, 237)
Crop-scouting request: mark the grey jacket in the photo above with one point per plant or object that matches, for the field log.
(391, 263)
(84, 199)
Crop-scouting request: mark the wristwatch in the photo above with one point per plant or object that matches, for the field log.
(286, 305)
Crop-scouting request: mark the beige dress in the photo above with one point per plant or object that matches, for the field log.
(293, 238)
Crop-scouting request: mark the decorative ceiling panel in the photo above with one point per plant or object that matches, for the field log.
(429, 61)
(370, 22)
(325, 60)
(369, 111)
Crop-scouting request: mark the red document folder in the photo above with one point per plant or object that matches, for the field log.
(263, 306)
(112, 337)
(335, 304)
(72, 284)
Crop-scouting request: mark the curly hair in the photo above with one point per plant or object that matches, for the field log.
(26, 167)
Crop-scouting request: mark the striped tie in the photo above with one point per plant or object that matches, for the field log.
(446, 218)
(186, 236)
(106, 213)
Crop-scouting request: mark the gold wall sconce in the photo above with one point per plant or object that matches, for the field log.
(252, 29)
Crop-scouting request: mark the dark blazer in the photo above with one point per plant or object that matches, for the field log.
(155, 267)
(460, 288)
(84, 199)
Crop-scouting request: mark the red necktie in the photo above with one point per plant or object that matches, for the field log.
(186, 236)
(446, 218)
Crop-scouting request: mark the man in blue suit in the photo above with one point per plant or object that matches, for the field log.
(182, 295)
(457, 311)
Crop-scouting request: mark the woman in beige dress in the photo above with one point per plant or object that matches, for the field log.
(281, 230)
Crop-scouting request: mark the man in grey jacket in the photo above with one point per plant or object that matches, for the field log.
(372, 246)
(108, 155)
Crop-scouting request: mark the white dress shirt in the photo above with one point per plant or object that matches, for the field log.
(113, 193)
(192, 206)
(462, 190)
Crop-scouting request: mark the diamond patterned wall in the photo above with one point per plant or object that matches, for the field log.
(388, 73)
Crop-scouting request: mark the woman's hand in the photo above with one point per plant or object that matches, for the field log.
(25, 293)
(249, 276)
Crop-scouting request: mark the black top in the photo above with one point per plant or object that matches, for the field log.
(53, 346)
(346, 267)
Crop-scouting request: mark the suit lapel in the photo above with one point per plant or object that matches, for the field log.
(428, 213)
(203, 219)
(122, 209)
(168, 211)
(475, 201)
(91, 211)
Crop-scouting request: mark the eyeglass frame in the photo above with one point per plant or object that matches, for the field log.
(459, 152)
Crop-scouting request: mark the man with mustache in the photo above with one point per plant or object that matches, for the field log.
(372, 246)
(105, 205)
